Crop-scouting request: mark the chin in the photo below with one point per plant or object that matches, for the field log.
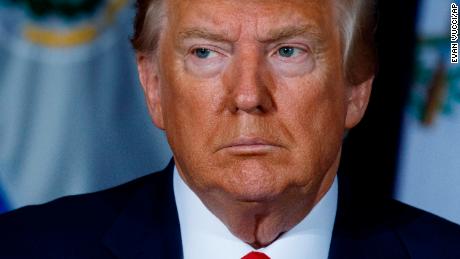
(257, 179)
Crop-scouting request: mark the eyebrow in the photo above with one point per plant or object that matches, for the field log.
(288, 32)
(310, 31)
(202, 33)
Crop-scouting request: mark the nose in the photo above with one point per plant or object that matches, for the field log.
(250, 84)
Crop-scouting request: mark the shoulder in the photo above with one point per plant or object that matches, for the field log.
(391, 229)
(71, 221)
(424, 235)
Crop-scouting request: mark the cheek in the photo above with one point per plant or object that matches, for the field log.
(189, 107)
(314, 111)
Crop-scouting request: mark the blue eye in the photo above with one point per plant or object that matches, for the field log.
(286, 52)
(202, 53)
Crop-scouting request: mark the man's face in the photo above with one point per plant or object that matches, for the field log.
(251, 95)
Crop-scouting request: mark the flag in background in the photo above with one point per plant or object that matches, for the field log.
(429, 171)
(72, 113)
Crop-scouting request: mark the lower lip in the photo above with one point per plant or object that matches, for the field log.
(258, 149)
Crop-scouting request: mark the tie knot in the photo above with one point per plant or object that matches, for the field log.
(255, 255)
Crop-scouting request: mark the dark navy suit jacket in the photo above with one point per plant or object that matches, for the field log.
(139, 220)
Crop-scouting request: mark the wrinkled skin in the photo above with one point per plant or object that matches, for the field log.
(254, 103)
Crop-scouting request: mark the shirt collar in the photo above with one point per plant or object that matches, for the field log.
(205, 236)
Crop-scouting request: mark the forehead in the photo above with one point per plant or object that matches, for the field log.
(260, 17)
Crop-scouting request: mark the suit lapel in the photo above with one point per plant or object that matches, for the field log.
(148, 227)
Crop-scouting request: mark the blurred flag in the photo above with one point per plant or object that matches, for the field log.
(72, 114)
(429, 165)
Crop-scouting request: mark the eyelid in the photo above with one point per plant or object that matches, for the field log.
(303, 42)
(301, 47)
(213, 48)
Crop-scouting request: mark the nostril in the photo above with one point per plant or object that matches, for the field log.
(248, 101)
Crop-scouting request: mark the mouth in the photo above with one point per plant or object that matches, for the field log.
(250, 146)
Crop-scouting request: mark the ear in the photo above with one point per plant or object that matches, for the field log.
(358, 98)
(149, 77)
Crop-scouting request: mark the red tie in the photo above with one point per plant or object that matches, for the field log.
(255, 255)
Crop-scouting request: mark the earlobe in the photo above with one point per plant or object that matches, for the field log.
(148, 76)
(357, 102)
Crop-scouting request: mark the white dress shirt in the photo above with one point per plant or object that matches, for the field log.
(204, 236)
